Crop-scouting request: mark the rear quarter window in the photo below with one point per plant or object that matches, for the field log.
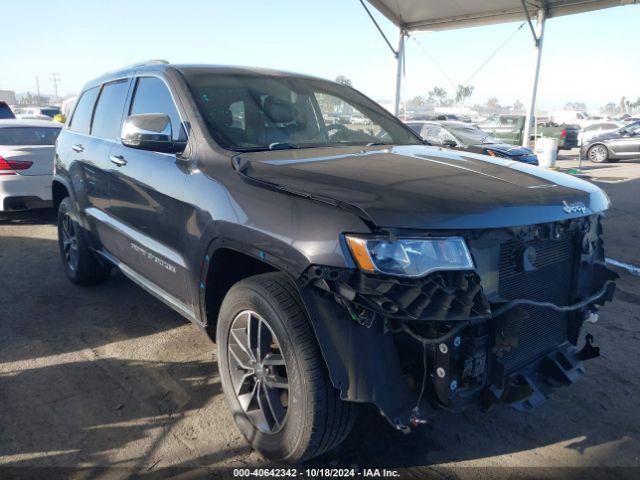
(81, 120)
(19, 136)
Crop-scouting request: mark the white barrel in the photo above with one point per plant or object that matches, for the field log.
(547, 150)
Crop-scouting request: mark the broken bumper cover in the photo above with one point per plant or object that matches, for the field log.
(413, 346)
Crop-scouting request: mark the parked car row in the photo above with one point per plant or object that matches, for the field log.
(606, 141)
(465, 137)
(612, 146)
(598, 128)
(37, 113)
(509, 129)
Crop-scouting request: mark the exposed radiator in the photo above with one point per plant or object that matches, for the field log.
(550, 281)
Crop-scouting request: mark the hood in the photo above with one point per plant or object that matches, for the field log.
(507, 149)
(422, 187)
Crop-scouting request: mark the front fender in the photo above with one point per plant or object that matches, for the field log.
(363, 363)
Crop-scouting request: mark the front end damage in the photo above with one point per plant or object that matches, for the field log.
(507, 332)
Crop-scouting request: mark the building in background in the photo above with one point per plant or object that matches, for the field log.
(8, 96)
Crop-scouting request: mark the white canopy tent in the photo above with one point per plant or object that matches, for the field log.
(434, 15)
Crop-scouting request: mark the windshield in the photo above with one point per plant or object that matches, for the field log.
(473, 136)
(247, 112)
(631, 128)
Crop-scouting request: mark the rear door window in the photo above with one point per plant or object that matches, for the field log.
(23, 136)
(153, 96)
(107, 119)
(81, 120)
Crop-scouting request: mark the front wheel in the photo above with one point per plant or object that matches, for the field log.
(598, 154)
(273, 374)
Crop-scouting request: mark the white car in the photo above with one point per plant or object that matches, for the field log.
(27, 148)
(597, 128)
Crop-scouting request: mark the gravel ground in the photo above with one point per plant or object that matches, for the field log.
(110, 377)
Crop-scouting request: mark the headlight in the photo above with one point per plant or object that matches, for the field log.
(410, 257)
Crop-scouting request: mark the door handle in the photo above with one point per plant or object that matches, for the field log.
(118, 160)
(77, 148)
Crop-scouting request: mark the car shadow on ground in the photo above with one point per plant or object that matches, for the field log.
(29, 217)
(43, 314)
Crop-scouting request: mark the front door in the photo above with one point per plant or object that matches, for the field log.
(146, 190)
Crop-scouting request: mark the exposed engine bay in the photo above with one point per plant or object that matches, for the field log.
(507, 332)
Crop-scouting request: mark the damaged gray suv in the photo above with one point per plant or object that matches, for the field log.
(333, 257)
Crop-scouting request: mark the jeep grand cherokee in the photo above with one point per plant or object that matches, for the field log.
(333, 263)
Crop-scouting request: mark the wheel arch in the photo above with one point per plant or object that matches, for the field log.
(223, 267)
(59, 191)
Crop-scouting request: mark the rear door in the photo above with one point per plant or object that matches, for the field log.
(146, 199)
(105, 131)
(30, 144)
(83, 155)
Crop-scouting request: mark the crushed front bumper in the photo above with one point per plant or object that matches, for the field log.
(500, 334)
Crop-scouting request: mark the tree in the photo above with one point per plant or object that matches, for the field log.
(492, 104)
(437, 96)
(518, 106)
(463, 92)
(577, 106)
(610, 109)
(416, 102)
(342, 80)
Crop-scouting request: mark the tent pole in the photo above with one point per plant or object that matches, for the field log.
(531, 107)
(400, 62)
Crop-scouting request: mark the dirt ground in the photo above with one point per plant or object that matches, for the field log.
(110, 377)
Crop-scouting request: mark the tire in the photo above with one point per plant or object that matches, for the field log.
(310, 418)
(80, 263)
(598, 153)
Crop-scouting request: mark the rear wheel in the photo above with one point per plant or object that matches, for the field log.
(598, 154)
(273, 374)
(80, 263)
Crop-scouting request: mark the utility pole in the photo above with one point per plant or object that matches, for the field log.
(400, 64)
(55, 79)
(37, 90)
(538, 37)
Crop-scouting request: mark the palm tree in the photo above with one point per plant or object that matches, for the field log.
(463, 92)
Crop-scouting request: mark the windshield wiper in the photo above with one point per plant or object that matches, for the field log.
(281, 146)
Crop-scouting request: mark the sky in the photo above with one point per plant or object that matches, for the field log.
(591, 57)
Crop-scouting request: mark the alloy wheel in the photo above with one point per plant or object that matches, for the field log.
(598, 153)
(258, 372)
(70, 242)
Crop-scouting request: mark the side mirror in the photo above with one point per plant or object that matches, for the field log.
(449, 143)
(150, 131)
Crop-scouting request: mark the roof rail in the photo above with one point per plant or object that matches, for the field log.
(140, 64)
(145, 63)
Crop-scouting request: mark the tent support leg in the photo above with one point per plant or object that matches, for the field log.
(400, 62)
(531, 107)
